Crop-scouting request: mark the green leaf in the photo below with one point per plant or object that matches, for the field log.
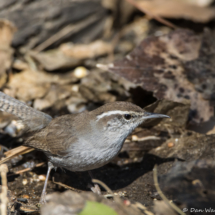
(96, 208)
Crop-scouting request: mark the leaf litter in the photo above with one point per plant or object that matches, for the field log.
(169, 72)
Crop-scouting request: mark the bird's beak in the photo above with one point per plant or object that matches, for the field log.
(148, 115)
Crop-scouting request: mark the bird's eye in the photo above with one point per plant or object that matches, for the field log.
(127, 116)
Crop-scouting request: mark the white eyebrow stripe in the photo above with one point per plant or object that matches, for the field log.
(114, 112)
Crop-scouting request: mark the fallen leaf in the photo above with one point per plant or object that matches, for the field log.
(7, 30)
(28, 85)
(36, 84)
(172, 66)
(178, 9)
(54, 59)
(70, 55)
(83, 51)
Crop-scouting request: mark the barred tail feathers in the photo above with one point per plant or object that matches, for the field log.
(33, 119)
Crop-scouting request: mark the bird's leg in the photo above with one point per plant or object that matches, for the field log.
(96, 188)
(43, 195)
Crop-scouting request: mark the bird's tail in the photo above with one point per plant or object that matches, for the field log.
(30, 117)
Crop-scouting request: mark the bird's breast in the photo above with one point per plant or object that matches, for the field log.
(87, 155)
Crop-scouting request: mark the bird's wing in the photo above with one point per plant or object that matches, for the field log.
(56, 138)
(61, 134)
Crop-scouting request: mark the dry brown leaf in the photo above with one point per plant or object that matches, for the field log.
(29, 85)
(178, 9)
(122, 10)
(83, 51)
(200, 3)
(55, 97)
(70, 55)
(54, 59)
(7, 30)
(175, 67)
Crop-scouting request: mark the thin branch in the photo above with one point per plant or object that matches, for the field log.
(28, 169)
(64, 185)
(15, 152)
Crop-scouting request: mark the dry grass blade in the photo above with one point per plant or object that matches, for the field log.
(28, 169)
(3, 195)
(15, 152)
(28, 208)
(172, 205)
(64, 185)
(158, 18)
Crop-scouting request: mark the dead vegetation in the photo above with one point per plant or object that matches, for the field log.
(67, 56)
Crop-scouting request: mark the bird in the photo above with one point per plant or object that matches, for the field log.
(77, 142)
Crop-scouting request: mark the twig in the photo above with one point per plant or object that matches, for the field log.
(18, 151)
(64, 185)
(104, 67)
(3, 195)
(171, 204)
(158, 18)
(141, 139)
(15, 152)
(28, 169)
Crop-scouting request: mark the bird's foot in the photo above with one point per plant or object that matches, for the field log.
(43, 199)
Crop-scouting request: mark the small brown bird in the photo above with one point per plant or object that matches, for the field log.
(78, 142)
